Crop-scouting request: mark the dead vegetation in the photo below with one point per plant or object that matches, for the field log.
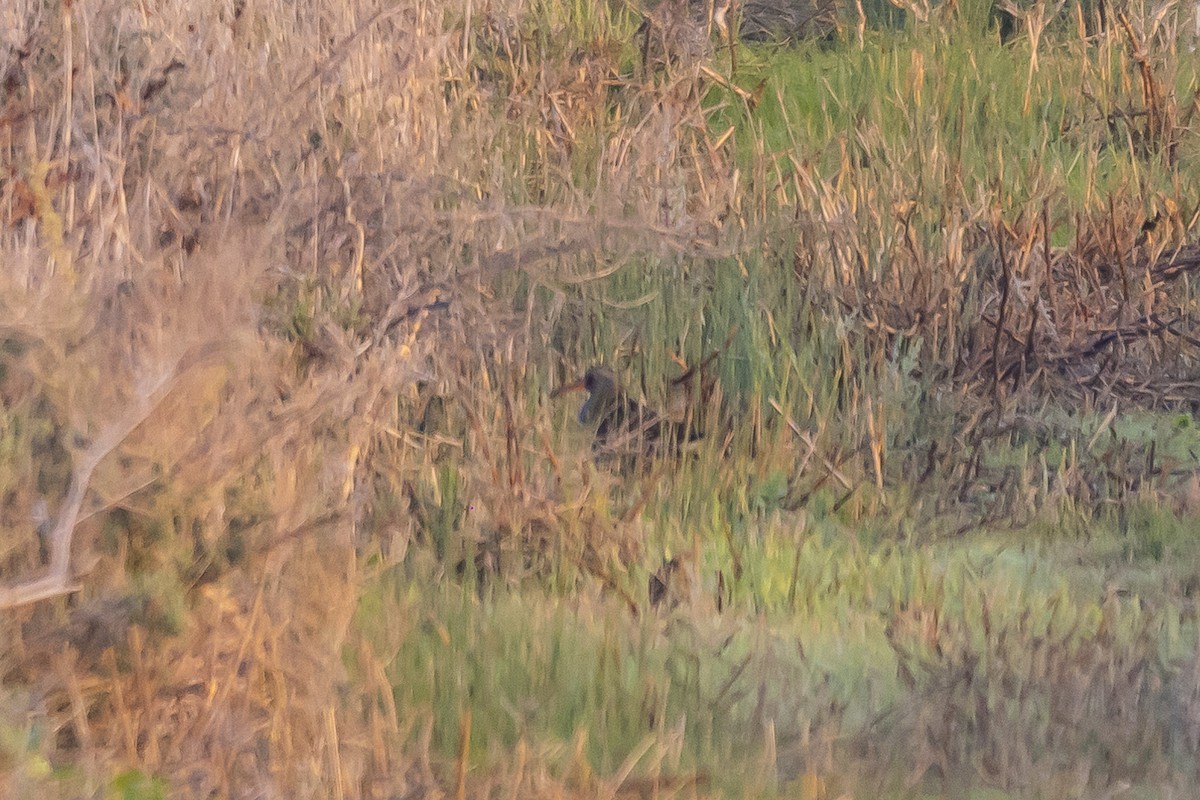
(249, 308)
(284, 291)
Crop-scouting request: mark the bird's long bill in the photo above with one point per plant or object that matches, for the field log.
(588, 411)
(577, 386)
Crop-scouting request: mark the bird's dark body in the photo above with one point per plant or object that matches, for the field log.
(625, 426)
(627, 429)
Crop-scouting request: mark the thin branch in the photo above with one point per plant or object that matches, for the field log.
(58, 580)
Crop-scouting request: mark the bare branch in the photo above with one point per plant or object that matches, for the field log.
(58, 580)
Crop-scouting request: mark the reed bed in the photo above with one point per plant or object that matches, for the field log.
(288, 507)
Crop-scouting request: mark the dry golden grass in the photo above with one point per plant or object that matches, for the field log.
(283, 291)
(244, 243)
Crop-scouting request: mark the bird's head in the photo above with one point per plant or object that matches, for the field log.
(601, 385)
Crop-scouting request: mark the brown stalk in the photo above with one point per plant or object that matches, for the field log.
(1155, 123)
(1049, 276)
(1001, 314)
(1124, 269)
(464, 749)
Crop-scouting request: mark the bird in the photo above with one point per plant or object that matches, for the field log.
(624, 426)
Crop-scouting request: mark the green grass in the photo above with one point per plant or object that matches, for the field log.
(812, 644)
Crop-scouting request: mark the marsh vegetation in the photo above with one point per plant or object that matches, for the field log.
(288, 510)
